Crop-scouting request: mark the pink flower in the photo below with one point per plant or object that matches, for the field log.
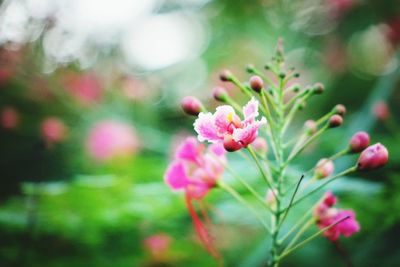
(158, 245)
(195, 169)
(85, 88)
(358, 142)
(381, 110)
(9, 118)
(225, 126)
(373, 157)
(324, 168)
(53, 130)
(111, 139)
(326, 216)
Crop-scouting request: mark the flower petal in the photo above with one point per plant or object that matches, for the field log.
(247, 135)
(224, 116)
(250, 110)
(175, 176)
(205, 127)
(190, 150)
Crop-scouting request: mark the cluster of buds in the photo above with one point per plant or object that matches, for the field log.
(258, 129)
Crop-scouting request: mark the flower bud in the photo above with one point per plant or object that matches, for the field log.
(318, 88)
(225, 76)
(358, 142)
(310, 127)
(340, 109)
(260, 145)
(335, 121)
(324, 168)
(256, 83)
(381, 111)
(220, 94)
(373, 157)
(231, 145)
(191, 105)
(329, 199)
(250, 68)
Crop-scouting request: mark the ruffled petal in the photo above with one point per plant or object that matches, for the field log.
(250, 110)
(248, 134)
(224, 116)
(205, 127)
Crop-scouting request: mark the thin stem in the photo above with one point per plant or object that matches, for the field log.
(294, 153)
(291, 201)
(324, 118)
(312, 237)
(299, 234)
(249, 188)
(240, 199)
(261, 169)
(328, 180)
(241, 87)
(333, 157)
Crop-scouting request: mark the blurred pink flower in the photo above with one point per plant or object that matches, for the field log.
(326, 215)
(196, 170)
(225, 126)
(86, 88)
(381, 110)
(9, 118)
(324, 168)
(111, 139)
(53, 130)
(158, 245)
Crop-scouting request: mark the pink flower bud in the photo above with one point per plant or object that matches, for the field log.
(381, 111)
(329, 199)
(191, 105)
(225, 76)
(373, 157)
(220, 94)
(9, 118)
(358, 142)
(231, 145)
(260, 145)
(256, 83)
(335, 121)
(310, 127)
(340, 109)
(324, 168)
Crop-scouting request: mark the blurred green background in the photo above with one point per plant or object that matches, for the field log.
(74, 73)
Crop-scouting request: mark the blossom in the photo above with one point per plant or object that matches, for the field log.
(158, 245)
(9, 117)
(110, 139)
(53, 130)
(86, 88)
(195, 169)
(225, 126)
(326, 215)
(373, 157)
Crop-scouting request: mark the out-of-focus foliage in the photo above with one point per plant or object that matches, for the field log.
(62, 206)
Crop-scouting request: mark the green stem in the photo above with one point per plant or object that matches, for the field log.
(291, 201)
(258, 163)
(328, 180)
(240, 199)
(301, 244)
(250, 189)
